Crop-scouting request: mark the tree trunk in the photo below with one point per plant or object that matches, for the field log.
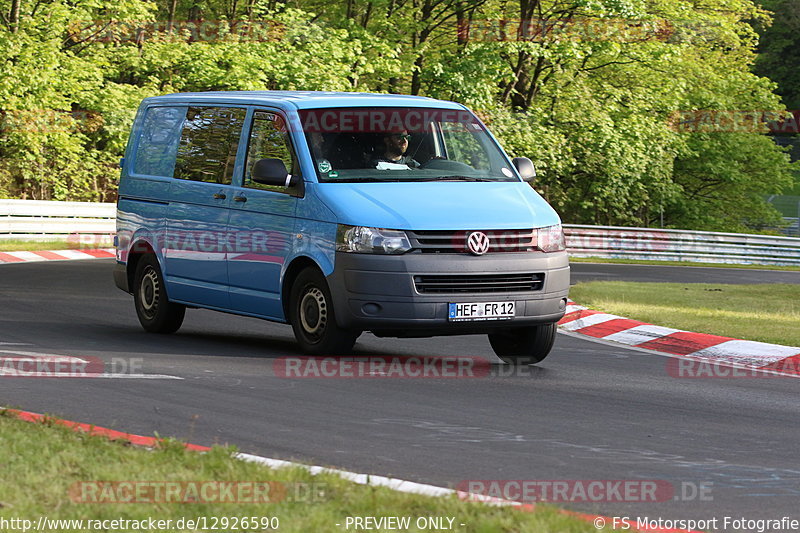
(420, 40)
(13, 17)
(462, 26)
(533, 88)
(416, 77)
(367, 14)
(522, 58)
(173, 5)
(195, 12)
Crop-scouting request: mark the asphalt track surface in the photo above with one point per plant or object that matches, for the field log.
(591, 411)
(678, 274)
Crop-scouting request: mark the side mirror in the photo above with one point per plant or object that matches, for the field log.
(525, 168)
(272, 172)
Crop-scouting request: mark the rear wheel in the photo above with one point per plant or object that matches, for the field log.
(313, 318)
(524, 346)
(156, 313)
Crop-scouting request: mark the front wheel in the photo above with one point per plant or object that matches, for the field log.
(313, 319)
(524, 346)
(156, 313)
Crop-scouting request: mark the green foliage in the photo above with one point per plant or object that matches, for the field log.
(743, 166)
(780, 49)
(589, 90)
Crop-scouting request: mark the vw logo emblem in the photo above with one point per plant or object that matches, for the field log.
(478, 243)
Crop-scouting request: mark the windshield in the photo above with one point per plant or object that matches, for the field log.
(402, 144)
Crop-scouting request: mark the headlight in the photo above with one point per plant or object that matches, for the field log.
(551, 239)
(363, 240)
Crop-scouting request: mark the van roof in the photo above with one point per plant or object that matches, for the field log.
(306, 99)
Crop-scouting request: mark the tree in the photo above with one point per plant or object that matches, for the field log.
(589, 89)
(779, 49)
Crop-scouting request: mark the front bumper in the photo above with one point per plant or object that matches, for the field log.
(378, 293)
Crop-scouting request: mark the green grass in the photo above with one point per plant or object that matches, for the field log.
(677, 263)
(19, 245)
(764, 312)
(42, 461)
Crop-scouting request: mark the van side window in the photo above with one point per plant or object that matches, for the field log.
(269, 139)
(158, 144)
(209, 140)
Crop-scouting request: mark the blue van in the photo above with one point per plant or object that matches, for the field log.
(337, 213)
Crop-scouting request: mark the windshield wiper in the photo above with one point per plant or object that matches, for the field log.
(362, 180)
(455, 178)
(409, 179)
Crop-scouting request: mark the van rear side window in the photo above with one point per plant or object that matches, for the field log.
(155, 154)
(209, 141)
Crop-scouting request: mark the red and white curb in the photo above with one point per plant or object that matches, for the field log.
(56, 255)
(399, 485)
(91, 429)
(699, 346)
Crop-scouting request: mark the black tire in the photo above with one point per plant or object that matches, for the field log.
(156, 313)
(313, 318)
(524, 346)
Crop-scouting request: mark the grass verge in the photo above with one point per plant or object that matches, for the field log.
(764, 312)
(43, 462)
(17, 245)
(678, 263)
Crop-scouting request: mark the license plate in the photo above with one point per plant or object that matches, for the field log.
(481, 311)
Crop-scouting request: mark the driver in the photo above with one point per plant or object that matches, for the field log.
(394, 146)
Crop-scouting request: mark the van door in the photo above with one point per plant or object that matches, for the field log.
(200, 197)
(262, 222)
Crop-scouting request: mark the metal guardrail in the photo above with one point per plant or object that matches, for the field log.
(45, 220)
(681, 245)
(792, 228)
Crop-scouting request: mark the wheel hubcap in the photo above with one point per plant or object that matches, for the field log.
(149, 291)
(313, 312)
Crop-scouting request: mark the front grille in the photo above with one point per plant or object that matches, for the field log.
(455, 242)
(478, 283)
